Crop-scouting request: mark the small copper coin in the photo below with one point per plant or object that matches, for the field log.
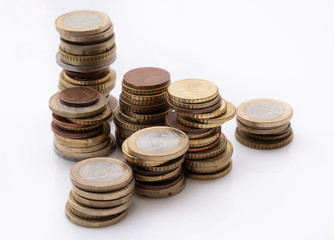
(87, 76)
(75, 135)
(146, 78)
(171, 120)
(160, 184)
(195, 111)
(61, 121)
(79, 96)
(205, 148)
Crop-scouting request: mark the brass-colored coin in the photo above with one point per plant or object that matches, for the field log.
(205, 134)
(170, 165)
(158, 143)
(67, 125)
(111, 75)
(143, 91)
(75, 112)
(264, 131)
(82, 215)
(142, 108)
(196, 105)
(95, 38)
(204, 148)
(101, 174)
(90, 60)
(101, 203)
(151, 118)
(195, 111)
(120, 122)
(91, 223)
(160, 97)
(167, 192)
(106, 196)
(268, 138)
(87, 49)
(257, 144)
(264, 113)
(192, 91)
(210, 176)
(123, 132)
(216, 113)
(141, 102)
(82, 23)
(95, 120)
(211, 152)
(130, 119)
(119, 140)
(204, 141)
(161, 177)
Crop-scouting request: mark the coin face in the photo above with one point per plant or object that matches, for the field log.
(264, 113)
(101, 172)
(79, 96)
(192, 91)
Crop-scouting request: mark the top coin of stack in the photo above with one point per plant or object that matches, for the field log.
(264, 123)
(142, 101)
(200, 112)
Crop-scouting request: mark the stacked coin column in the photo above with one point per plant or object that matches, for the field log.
(200, 112)
(143, 101)
(87, 49)
(101, 192)
(156, 155)
(81, 123)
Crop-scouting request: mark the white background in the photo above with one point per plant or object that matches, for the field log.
(277, 49)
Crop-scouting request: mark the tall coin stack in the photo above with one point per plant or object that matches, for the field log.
(156, 155)
(81, 123)
(264, 124)
(199, 112)
(87, 49)
(101, 192)
(143, 101)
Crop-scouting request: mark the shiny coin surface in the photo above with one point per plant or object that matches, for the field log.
(195, 111)
(264, 131)
(79, 96)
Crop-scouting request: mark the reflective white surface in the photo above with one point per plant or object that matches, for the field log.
(251, 49)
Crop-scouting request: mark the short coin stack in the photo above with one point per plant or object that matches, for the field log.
(142, 102)
(264, 124)
(101, 192)
(156, 155)
(200, 112)
(87, 48)
(81, 124)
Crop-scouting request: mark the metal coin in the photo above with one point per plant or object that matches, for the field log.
(210, 176)
(79, 97)
(171, 120)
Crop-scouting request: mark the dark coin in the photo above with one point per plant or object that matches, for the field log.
(79, 96)
(75, 135)
(146, 78)
(171, 120)
(61, 121)
(160, 185)
(87, 76)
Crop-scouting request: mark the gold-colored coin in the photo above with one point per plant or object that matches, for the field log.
(141, 102)
(83, 216)
(101, 174)
(102, 87)
(120, 122)
(209, 153)
(210, 176)
(111, 75)
(64, 148)
(216, 113)
(257, 144)
(157, 178)
(204, 134)
(95, 120)
(156, 98)
(264, 113)
(158, 143)
(144, 91)
(268, 138)
(75, 112)
(204, 141)
(130, 119)
(106, 196)
(263, 131)
(170, 165)
(145, 118)
(94, 223)
(101, 203)
(192, 91)
(123, 133)
(196, 105)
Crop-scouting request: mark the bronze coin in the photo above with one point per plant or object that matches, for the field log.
(146, 78)
(205, 148)
(171, 121)
(160, 184)
(195, 111)
(143, 109)
(87, 76)
(138, 170)
(79, 96)
(61, 121)
(75, 135)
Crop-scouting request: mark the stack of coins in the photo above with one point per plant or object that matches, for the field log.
(156, 155)
(81, 124)
(87, 49)
(142, 102)
(264, 124)
(200, 112)
(101, 192)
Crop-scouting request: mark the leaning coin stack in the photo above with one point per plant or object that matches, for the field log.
(156, 155)
(102, 189)
(81, 124)
(200, 112)
(264, 124)
(87, 49)
(142, 102)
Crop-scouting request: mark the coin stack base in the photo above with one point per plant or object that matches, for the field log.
(156, 155)
(101, 193)
(264, 124)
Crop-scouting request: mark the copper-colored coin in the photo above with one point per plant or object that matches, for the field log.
(61, 121)
(79, 96)
(159, 185)
(87, 76)
(171, 120)
(146, 78)
(205, 148)
(75, 135)
(143, 109)
(195, 111)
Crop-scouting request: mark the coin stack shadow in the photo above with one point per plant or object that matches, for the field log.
(81, 124)
(199, 112)
(102, 190)
(264, 123)
(142, 102)
(156, 155)
(87, 49)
